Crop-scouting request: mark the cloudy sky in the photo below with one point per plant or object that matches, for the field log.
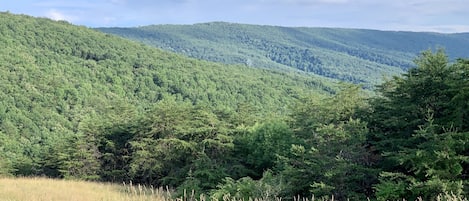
(408, 15)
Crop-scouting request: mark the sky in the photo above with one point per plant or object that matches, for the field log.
(445, 16)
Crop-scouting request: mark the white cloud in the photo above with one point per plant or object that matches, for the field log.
(449, 28)
(306, 2)
(416, 15)
(314, 1)
(109, 20)
(332, 1)
(56, 15)
(118, 1)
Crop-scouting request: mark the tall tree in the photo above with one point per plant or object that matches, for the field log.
(417, 128)
(180, 144)
(331, 149)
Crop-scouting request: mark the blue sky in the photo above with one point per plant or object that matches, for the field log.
(446, 16)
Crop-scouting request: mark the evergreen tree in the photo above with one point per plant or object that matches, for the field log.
(331, 158)
(416, 128)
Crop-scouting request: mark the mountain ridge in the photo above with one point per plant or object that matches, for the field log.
(353, 55)
(284, 26)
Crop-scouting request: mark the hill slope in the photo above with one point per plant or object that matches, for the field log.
(359, 56)
(54, 76)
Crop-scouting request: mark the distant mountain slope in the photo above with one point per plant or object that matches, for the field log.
(54, 76)
(355, 55)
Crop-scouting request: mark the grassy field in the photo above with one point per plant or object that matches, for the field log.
(43, 189)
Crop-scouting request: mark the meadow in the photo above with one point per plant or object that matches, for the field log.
(45, 189)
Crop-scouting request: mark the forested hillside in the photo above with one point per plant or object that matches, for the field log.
(352, 55)
(81, 104)
(56, 79)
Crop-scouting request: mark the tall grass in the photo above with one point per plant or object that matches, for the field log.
(43, 189)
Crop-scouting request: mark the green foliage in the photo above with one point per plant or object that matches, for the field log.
(179, 140)
(313, 112)
(415, 130)
(265, 143)
(351, 55)
(392, 186)
(54, 77)
(79, 104)
(331, 152)
(5, 162)
(243, 188)
(79, 159)
(267, 188)
(436, 166)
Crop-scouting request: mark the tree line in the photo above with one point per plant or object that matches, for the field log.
(409, 141)
(95, 107)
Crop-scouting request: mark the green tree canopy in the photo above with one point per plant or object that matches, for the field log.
(419, 128)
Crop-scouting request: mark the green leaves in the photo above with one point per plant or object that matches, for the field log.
(392, 186)
(265, 143)
(330, 149)
(356, 56)
(175, 141)
(56, 77)
(428, 143)
(79, 158)
(267, 188)
(83, 105)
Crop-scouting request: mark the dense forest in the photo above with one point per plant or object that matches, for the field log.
(351, 55)
(80, 104)
(57, 78)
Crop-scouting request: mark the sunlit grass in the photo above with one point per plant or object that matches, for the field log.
(43, 189)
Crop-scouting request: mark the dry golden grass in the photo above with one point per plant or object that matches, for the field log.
(42, 189)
